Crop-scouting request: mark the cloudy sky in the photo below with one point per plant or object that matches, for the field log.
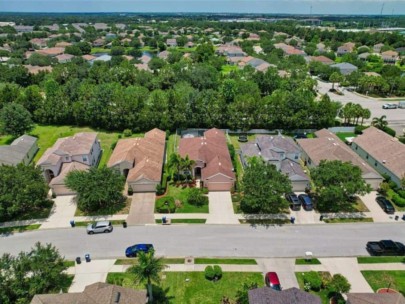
(232, 6)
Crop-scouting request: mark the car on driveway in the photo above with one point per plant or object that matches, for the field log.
(385, 205)
(385, 247)
(132, 251)
(99, 227)
(306, 202)
(295, 203)
(388, 106)
(272, 281)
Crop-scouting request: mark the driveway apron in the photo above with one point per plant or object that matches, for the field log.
(142, 209)
(221, 208)
(63, 211)
(284, 269)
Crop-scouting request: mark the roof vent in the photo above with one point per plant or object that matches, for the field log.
(117, 297)
(384, 161)
(219, 164)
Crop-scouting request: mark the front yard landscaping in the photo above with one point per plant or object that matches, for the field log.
(348, 220)
(122, 208)
(384, 279)
(322, 292)
(192, 287)
(378, 259)
(18, 229)
(307, 262)
(225, 261)
(184, 221)
(135, 261)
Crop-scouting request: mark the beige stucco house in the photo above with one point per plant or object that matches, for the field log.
(21, 150)
(78, 152)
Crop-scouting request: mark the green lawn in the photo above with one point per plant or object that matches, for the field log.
(265, 221)
(172, 144)
(180, 193)
(121, 208)
(323, 293)
(69, 263)
(47, 136)
(236, 143)
(226, 69)
(95, 50)
(6, 139)
(18, 229)
(307, 262)
(213, 261)
(377, 259)
(135, 261)
(192, 287)
(184, 221)
(343, 135)
(348, 220)
(84, 224)
(383, 279)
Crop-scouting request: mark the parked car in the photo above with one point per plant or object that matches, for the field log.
(99, 227)
(272, 281)
(306, 202)
(132, 251)
(389, 106)
(385, 205)
(295, 203)
(300, 135)
(385, 247)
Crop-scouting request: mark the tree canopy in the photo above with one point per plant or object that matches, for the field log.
(15, 120)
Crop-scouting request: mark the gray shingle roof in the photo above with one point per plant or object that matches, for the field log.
(293, 295)
(17, 151)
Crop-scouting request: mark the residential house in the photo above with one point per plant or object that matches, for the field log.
(257, 49)
(89, 57)
(54, 27)
(34, 69)
(289, 50)
(51, 52)
(39, 42)
(374, 74)
(348, 47)
(377, 47)
(142, 67)
(96, 293)
(390, 57)
(171, 42)
(24, 28)
(375, 298)
(98, 42)
(327, 146)
(100, 26)
(145, 59)
(64, 58)
(364, 56)
(104, 58)
(213, 164)
(140, 160)
(345, 68)
(281, 152)
(63, 44)
(110, 36)
(321, 59)
(320, 47)
(230, 50)
(253, 37)
(21, 150)
(384, 153)
(78, 152)
(266, 295)
(190, 44)
(163, 55)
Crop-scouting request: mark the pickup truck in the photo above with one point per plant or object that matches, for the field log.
(385, 247)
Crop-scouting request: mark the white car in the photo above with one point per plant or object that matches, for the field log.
(390, 106)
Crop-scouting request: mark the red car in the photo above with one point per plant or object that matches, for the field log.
(272, 281)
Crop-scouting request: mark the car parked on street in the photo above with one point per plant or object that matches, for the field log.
(295, 203)
(271, 280)
(132, 251)
(388, 106)
(385, 205)
(386, 247)
(99, 227)
(306, 202)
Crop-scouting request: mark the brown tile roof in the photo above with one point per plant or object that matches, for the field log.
(64, 57)
(266, 295)
(146, 153)
(327, 146)
(66, 168)
(212, 150)
(322, 59)
(97, 293)
(36, 69)
(78, 144)
(375, 298)
(89, 57)
(383, 147)
(51, 51)
(63, 44)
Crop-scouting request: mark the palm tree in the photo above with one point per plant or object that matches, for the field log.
(175, 163)
(357, 111)
(335, 77)
(148, 270)
(187, 165)
(366, 114)
(379, 123)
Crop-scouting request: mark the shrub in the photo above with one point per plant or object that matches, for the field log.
(130, 191)
(113, 145)
(390, 131)
(204, 190)
(165, 205)
(217, 272)
(209, 273)
(313, 279)
(359, 129)
(402, 139)
(401, 193)
(167, 134)
(196, 198)
(160, 189)
(398, 200)
(339, 284)
(393, 185)
(127, 133)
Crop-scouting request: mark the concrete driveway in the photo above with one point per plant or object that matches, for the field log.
(142, 209)
(221, 208)
(63, 211)
(285, 270)
(376, 211)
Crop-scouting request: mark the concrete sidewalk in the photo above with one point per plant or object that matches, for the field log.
(63, 211)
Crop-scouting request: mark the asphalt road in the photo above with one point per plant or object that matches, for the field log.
(395, 117)
(213, 240)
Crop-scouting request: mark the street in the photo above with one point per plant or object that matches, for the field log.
(213, 240)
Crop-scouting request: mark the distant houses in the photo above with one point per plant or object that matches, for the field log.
(345, 68)
(21, 150)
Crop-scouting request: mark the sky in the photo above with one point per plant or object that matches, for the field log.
(363, 7)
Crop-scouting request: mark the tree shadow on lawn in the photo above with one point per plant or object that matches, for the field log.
(160, 295)
(265, 220)
(111, 210)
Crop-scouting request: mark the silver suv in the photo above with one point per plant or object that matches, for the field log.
(99, 227)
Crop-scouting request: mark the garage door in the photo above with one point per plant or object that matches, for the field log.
(61, 190)
(144, 188)
(224, 186)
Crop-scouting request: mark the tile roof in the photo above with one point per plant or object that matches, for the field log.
(34, 69)
(212, 150)
(65, 169)
(63, 44)
(78, 144)
(51, 51)
(388, 150)
(147, 155)
(17, 151)
(89, 57)
(64, 57)
(321, 59)
(266, 295)
(327, 146)
(375, 298)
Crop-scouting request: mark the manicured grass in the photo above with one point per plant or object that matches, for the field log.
(348, 220)
(47, 136)
(85, 223)
(376, 260)
(265, 221)
(67, 283)
(95, 50)
(181, 193)
(323, 293)
(343, 135)
(185, 49)
(171, 145)
(121, 208)
(307, 262)
(18, 229)
(184, 221)
(215, 261)
(310, 135)
(226, 69)
(69, 263)
(350, 206)
(6, 139)
(382, 279)
(135, 261)
(192, 287)
(236, 143)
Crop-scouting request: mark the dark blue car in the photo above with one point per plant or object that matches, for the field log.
(306, 202)
(132, 251)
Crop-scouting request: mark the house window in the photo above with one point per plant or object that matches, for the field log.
(375, 164)
(84, 158)
(296, 156)
(367, 156)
